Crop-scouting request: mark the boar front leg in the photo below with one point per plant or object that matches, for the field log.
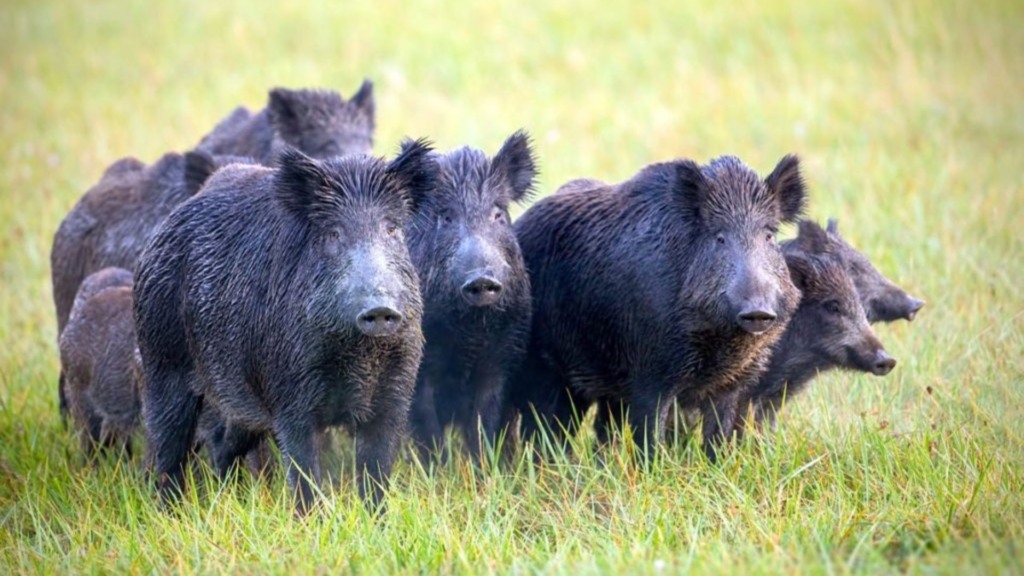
(297, 440)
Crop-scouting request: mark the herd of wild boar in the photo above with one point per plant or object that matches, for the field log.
(279, 280)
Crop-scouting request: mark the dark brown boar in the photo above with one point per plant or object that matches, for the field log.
(669, 285)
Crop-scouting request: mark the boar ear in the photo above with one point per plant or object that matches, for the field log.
(811, 238)
(363, 98)
(199, 166)
(787, 185)
(415, 170)
(516, 163)
(302, 185)
(691, 187)
(833, 226)
(801, 271)
(286, 108)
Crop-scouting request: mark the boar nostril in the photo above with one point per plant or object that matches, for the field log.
(379, 321)
(755, 321)
(481, 291)
(912, 310)
(883, 364)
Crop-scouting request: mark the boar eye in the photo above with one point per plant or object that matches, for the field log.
(444, 217)
(332, 242)
(391, 228)
(770, 235)
(832, 307)
(498, 215)
(720, 239)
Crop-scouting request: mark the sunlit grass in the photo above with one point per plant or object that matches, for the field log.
(908, 117)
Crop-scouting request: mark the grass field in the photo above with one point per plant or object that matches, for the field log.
(909, 117)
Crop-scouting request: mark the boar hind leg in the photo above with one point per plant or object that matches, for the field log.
(172, 412)
(553, 421)
(62, 398)
(232, 448)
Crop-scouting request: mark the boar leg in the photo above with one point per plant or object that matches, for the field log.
(172, 412)
(233, 447)
(297, 441)
(555, 417)
(482, 422)
(719, 421)
(766, 411)
(428, 434)
(646, 418)
(62, 398)
(377, 443)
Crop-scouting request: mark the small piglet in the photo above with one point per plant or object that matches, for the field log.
(96, 353)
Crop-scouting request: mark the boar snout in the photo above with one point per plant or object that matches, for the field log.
(883, 363)
(756, 319)
(379, 321)
(912, 308)
(483, 290)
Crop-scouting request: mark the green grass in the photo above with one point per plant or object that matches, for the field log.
(909, 117)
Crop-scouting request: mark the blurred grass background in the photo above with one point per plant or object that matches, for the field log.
(909, 117)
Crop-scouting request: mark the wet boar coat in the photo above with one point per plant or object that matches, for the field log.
(287, 299)
(668, 285)
(475, 290)
(319, 123)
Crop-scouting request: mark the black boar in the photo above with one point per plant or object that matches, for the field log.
(669, 285)
(317, 122)
(113, 221)
(475, 291)
(286, 298)
(96, 352)
(883, 301)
